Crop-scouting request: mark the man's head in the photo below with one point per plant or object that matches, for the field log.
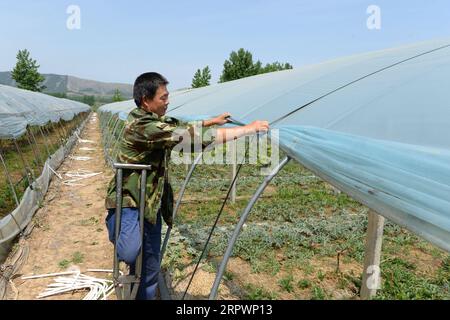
(150, 93)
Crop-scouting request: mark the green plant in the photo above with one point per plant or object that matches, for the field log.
(210, 268)
(286, 283)
(26, 74)
(253, 292)
(317, 293)
(63, 264)
(304, 284)
(77, 257)
(228, 276)
(320, 275)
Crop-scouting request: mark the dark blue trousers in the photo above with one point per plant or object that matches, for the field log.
(129, 245)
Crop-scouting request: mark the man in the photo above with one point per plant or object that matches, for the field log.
(148, 138)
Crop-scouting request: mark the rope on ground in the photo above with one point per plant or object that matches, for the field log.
(83, 140)
(56, 173)
(80, 158)
(99, 289)
(78, 176)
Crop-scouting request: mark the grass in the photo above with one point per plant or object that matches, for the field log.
(317, 293)
(304, 284)
(77, 257)
(63, 264)
(297, 229)
(286, 283)
(253, 292)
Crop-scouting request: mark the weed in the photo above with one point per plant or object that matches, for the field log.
(63, 264)
(320, 275)
(89, 222)
(253, 292)
(286, 283)
(317, 293)
(210, 268)
(228, 276)
(304, 284)
(77, 257)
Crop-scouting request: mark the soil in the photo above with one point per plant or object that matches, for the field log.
(70, 225)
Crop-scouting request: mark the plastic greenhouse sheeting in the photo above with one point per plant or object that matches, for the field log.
(15, 222)
(19, 108)
(376, 125)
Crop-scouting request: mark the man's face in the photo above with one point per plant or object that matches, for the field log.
(159, 103)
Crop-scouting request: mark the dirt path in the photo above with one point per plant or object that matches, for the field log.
(70, 230)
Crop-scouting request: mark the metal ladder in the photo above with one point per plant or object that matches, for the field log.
(127, 286)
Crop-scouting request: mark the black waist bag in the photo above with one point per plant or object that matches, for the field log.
(167, 196)
(167, 203)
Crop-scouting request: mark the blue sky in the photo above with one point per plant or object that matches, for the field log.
(118, 39)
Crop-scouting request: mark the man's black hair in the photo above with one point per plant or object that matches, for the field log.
(146, 85)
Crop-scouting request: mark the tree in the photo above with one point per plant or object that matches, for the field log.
(26, 74)
(276, 66)
(201, 78)
(239, 65)
(89, 100)
(117, 96)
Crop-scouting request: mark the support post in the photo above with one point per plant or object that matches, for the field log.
(233, 170)
(371, 280)
(237, 229)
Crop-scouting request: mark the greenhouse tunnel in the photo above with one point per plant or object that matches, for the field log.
(373, 125)
(37, 131)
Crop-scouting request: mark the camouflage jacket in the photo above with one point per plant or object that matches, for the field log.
(149, 139)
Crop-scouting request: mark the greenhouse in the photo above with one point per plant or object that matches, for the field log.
(37, 131)
(349, 199)
(375, 126)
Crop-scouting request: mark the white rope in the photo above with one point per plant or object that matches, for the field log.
(82, 140)
(88, 149)
(49, 275)
(80, 158)
(56, 173)
(78, 176)
(99, 289)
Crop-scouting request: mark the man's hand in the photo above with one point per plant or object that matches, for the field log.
(228, 134)
(219, 120)
(222, 119)
(259, 126)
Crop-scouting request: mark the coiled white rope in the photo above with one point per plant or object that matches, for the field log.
(80, 158)
(78, 176)
(82, 140)
(99, 289)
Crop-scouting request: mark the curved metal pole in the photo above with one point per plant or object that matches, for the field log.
(238, 228)
(8, 176)
(38, 159)
(106, 132)
(183, 187)
(180, 196)
(108, 143)
(28, 171)
(11, 185)
(57, 132)
(117, 143)
(46, 142)
(51, 132)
